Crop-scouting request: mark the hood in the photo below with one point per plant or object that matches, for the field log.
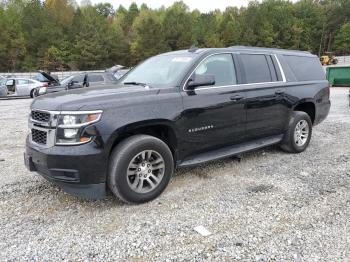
(49, 77)
(91, 98)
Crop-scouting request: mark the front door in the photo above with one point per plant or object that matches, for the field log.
(214, 116)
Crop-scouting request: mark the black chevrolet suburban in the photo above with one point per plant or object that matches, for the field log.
(176, 109)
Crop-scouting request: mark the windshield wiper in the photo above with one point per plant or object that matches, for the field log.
(136, 84)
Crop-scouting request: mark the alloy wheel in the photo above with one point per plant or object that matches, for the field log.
(301, 133)
(145, 171)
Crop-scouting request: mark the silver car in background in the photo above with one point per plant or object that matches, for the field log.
(20, 86)
(3, 88)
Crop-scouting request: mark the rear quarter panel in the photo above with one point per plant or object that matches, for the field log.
(316, 92)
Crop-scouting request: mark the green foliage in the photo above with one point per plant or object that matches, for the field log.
(58, 34)
(147, 36)
(342, 39)
(177, 25)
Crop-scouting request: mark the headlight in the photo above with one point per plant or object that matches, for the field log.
(71, 125)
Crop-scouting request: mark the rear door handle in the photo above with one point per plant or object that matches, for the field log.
(279, 92)
(236, 97)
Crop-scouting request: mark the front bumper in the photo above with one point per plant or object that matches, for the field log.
(78, 170)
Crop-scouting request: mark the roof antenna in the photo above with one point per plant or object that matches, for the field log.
(193, 48)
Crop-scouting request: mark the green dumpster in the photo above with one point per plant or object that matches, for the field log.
(338, 75)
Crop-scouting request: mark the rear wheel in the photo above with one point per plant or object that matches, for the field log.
(298, 136)
(140, 169)
(33, 93)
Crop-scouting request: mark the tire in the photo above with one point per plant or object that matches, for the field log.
(33, 93)
(290, 142)
(125, 175)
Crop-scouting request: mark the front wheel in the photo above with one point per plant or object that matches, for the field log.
(140, 169)
(298, 136)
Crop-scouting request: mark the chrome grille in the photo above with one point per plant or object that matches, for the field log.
(40, 116)
(39, 137)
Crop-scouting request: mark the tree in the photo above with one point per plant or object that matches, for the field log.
(230, 27)
(14, 41)
(58, 33)
(342, 40)
(147, 37)
(96, 44)
(177, 25)
(105, 9)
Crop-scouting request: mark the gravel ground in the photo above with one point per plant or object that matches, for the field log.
(268, 206)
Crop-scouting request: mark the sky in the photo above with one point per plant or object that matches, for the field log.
(202, 5)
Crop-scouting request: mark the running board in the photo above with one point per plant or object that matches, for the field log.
(230, 151)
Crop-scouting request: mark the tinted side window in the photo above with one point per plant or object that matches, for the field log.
(79, 78)
(305, 68)
(221, 67)
(96, 78)
(256, 68)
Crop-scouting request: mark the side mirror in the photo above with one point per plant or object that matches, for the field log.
(201, 80)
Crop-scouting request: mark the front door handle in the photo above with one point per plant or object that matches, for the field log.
(279, 92)
(236, 97)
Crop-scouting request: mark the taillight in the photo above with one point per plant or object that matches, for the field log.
(45, 84)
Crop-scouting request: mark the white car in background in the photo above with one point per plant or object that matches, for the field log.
(21, 86)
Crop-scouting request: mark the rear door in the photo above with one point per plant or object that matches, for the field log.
(267, 110)
(214, 116)
(22, 87)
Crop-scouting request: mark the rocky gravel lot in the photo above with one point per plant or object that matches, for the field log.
(269, 206)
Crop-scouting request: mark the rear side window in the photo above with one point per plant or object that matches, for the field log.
(305, 68)
(79, 78)
(96, 78)
(22, 82)
(256, 68)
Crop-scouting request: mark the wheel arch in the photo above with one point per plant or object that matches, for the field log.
(308, 107)
(162, 129)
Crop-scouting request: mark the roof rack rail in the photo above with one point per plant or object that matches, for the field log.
(267, 48)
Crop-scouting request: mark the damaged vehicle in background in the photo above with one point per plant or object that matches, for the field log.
(76, 81)
(20, 87)
(118, 71)
(3, 89)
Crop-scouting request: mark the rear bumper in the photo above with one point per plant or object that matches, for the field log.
(78, 170)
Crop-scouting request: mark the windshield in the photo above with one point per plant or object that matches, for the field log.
(159, 71)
